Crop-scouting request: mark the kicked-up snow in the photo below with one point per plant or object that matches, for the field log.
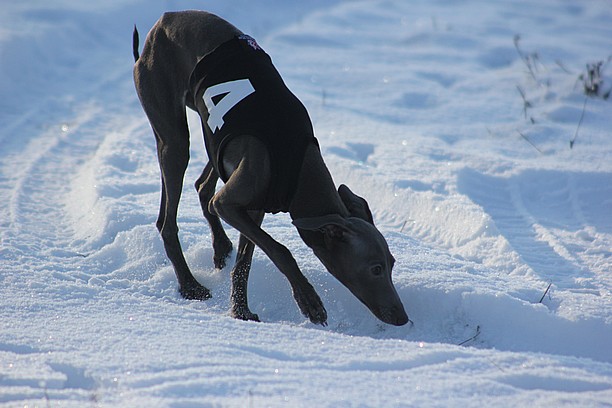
(464, 124)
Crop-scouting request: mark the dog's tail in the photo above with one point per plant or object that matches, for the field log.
(135, 41)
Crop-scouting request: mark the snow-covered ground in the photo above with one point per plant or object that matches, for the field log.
(453, 118)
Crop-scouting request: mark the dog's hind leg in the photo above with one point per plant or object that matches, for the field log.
(161, 75)
(205, 186)
(173, 159)
(240, 275)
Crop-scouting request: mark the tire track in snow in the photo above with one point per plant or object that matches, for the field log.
(40, 237)
(42, 171)
(67, 115)
(548, 217)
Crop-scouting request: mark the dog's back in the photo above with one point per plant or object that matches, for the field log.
(164, 55)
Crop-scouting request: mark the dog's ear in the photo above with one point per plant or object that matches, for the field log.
(332, 225)
(357, 206)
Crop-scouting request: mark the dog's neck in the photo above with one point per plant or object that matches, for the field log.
(316, 194)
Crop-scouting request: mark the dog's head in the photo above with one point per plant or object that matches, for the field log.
(355, 252)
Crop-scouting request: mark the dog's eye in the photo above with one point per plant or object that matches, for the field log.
(376, 270)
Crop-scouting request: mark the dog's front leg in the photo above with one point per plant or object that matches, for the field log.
(246, 188)
(240, 275)
(306, 297)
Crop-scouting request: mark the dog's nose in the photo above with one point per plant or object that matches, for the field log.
(395, 316)
(401, 319)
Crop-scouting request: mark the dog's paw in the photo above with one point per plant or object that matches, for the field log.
(311, 305)
(244, 314)
(220, 261)
(222, 249)
(194, 292)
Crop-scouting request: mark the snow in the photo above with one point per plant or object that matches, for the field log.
(453, 119)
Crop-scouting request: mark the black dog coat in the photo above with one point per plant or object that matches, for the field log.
(237, 91)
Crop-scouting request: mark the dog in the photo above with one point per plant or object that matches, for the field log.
(260, 142)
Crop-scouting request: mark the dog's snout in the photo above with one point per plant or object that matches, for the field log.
(395, 315)
(401, 319)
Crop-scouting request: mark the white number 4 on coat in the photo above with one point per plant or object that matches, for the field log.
(233, 91)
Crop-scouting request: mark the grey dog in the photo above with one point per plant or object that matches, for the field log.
(260, 142)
